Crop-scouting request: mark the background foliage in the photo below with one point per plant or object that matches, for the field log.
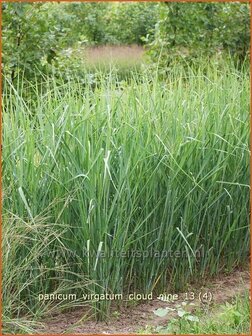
(190, 30)
(34, 35)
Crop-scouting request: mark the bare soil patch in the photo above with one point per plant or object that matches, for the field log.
(131, 319)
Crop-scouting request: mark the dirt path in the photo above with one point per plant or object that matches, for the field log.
(133, 319)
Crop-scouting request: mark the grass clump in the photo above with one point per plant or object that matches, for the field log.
(125, 173)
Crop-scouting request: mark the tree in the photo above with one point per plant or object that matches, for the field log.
(190, 30)
(33, 33)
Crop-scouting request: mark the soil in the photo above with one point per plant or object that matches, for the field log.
(131, 320)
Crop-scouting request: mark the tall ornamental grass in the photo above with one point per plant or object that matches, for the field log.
(122, 187)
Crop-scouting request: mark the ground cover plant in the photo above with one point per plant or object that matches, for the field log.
(131, 168)
(230, 318)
